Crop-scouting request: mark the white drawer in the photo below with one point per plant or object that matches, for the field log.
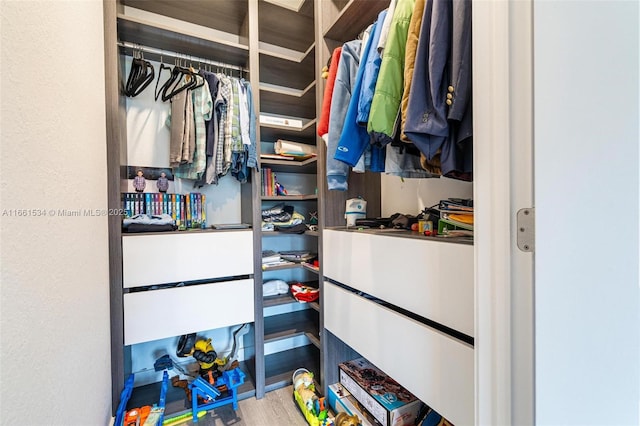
(433, 279)
(436, 368)
(157, 259)
(157, 314)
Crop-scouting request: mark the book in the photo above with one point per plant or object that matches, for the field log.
(280, 121)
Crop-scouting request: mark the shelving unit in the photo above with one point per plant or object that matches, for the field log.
(142, 288)
(288, 90)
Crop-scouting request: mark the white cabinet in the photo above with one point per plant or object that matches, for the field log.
(418, 285)
(223, 257)
(433, 279)
(435, 367)
(175, 257)
(157, 314)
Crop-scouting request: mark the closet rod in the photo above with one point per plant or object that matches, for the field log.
(161, 53)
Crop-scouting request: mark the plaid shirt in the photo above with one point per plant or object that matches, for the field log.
(202, 107)
(224, 137)
(139, 183)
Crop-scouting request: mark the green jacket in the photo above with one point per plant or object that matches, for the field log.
(385, 106)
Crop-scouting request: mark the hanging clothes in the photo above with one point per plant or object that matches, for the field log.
(457, 152)
(426, 120)
(209, 176)
(182, 137)
(354, 138)
(323, 121)
(386, 99)
(410, 61)
(202, 106)
(337, 171)
(252, 160)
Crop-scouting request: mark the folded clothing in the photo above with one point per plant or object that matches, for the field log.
(148, 219)
(274, 288)
(140, 227)
(303, 293)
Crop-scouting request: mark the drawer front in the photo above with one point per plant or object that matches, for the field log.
(157, 259)
(436, 368)
(158, 314)
(430, 278)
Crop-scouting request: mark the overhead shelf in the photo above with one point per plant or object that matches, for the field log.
(282, 71)
(277, 25)
(207, 44)
(308, 166)
(288, 101)
(354, 17)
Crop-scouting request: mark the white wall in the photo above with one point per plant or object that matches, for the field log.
(586, 194)
(55, 356)
(410, 196)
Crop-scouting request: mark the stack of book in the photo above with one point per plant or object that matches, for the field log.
(188, 210)
(270, 185)
(456, 214)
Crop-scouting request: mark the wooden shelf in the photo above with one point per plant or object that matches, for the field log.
(315, 306)
(308, 166)
(282, 234)
(287, 101)
(282, 299)
(286, 198)
(354, 17)
(285, 326)
(306, 266)
(271, 133)
(203, 44)
(281, 71)
(277, 25)
(224, 15)
(280, 366)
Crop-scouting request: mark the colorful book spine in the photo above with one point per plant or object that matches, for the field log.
(174, 209)
(147, 203)
(188, 210)
(204, 212)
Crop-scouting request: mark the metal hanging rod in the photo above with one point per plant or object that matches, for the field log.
(161, 53)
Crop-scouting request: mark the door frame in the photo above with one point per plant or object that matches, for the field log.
(503, 184)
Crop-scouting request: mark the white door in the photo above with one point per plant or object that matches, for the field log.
(587, 329)
(556, 109)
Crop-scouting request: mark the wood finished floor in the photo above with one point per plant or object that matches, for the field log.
(277, 408)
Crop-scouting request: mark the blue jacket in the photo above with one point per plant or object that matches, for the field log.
(457, 151)
(337, 171)
(371, 69)
(354, 138)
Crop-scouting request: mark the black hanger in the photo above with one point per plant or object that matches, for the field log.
(177, 75)
(157, 92)
(140, 76)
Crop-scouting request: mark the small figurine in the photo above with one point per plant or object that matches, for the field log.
(163, 182)
(139, 182)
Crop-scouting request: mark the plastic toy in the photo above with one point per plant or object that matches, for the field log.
(201, 389)
(343, 419)
(312, 407)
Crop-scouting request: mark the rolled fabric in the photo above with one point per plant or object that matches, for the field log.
(284, 147)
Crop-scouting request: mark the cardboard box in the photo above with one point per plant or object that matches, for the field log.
(388, 402)
(341, 401)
